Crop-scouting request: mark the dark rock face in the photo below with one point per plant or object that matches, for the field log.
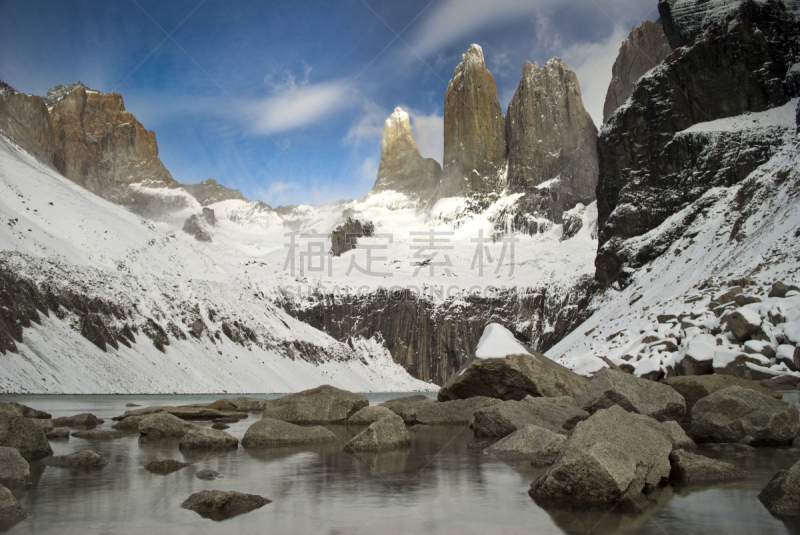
(645, 47)
(60, 92)
(269, 432)
(734, 60)
(386, 434)
(84, 460)
(195, 226)
(322, 405)
(220, 505)
(552, 147)
(210, 192)
(474, 130)
(165, 466)
(402, 168)
(345, 237)
(513, 378)
(25, 436)
(25, 119)
(782, 494)
(692, 468)
(6, 90)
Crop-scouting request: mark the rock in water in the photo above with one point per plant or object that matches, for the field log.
(269, 432)
(84, 460)
(691, 468)
(10, 510)
(454, 412)
(370, 414)
(474, 130)
(645, 47)
(552, 142)
(612, 456)
(402, 168)
(165, 466)
(782, 494)
(405, 400)
(735, 414)
(58, 433)
(512, 377)
(202, 438)
(84, 419)
(162, 425)
(609, 387)
(555, 414)
(386, 434)
(208, 475)
(531, 443)
(25, 436)
(14, 470)
(28, 412)
(99, 434)
(322, 405)
(220, 505)
(694, 388)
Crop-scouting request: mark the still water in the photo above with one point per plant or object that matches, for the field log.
(437, 486)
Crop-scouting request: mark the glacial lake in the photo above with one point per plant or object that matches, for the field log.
(437, 486)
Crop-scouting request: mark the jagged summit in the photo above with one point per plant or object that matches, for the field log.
(210, 192)
(402, 168)
(474, 54)
(6, 90)
(60, 92)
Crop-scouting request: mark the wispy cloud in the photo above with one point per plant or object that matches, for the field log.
(428, 130)
(369, 125)
(297, 106)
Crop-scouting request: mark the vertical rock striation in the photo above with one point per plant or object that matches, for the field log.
(474, 130)
(645, 47)
(402, 167)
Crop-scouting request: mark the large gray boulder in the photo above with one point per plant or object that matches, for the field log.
(386, 434)
(129, 424)
(84, 419)
(406, 400)
(736, 414)
(782, 494)
(247, 404)
(692, 468)
(10, 510)
(58, 433)
(165, 466)
(163, 425)
(14, 470)
(512, 378)
(454, 412)
(269, 432)
(531, 443)
(555, 414)
(26, 411)
(84, 460)
(370, 414)
(220, 505)
(202, 438)
(609, 387)
(322, 405)
(25, 436)
(46, 425)
(694, 388)
(612, 456)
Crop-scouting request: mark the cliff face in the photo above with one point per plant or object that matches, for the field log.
(474, 130)
(402, 167)
(736, 58)
(552, 150)
(26, 121)
(645, 47)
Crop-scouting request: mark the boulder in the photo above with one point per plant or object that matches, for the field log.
(694, 388)
(24, 435)
(58, 433)
(512, 378)
(129, 424)
(85, 419)
(555, 414)
(406, 400)
(269, 432)
(10, 510)
(736, 414)
(220, 505)
(531, 443)
(26, 411)
(165, 466)
(247, 404)
(692, 468)
(454, 412)
(220, 426)
(208, 475)
(743, 323)
(386, 434)
(676, 435)
(612, 456)
(609, 387)
(84, 460)
(96, 435)
(202, 438)
(46, 425)
(163, 425)
(14, 470)
(370, 414)
(780, 289)
(322, 405)
(184, 413)
(782, 382)
(782, 494)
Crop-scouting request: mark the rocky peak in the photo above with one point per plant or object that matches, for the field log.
(474, 129)
(645, 47)
(210, 192)
(402, 168)
(551, 141)
(60, 92)
(6, 90)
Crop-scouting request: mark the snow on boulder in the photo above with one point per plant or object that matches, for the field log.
(497, 342)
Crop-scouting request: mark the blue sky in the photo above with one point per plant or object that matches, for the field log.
(286, 100)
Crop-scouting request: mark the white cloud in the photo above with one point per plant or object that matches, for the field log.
(369, 170)
(369, 126)
(592, 63)
(276, 193)
(428, 132)
(296, 106)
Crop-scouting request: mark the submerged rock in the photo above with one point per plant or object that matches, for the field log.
(386, 434)
(220, 505)
(208, 475)
(692, 468)
(165, 466)
(84, 460)
(99, 434)
(269, 432)
(201, 438)
(531, 443)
